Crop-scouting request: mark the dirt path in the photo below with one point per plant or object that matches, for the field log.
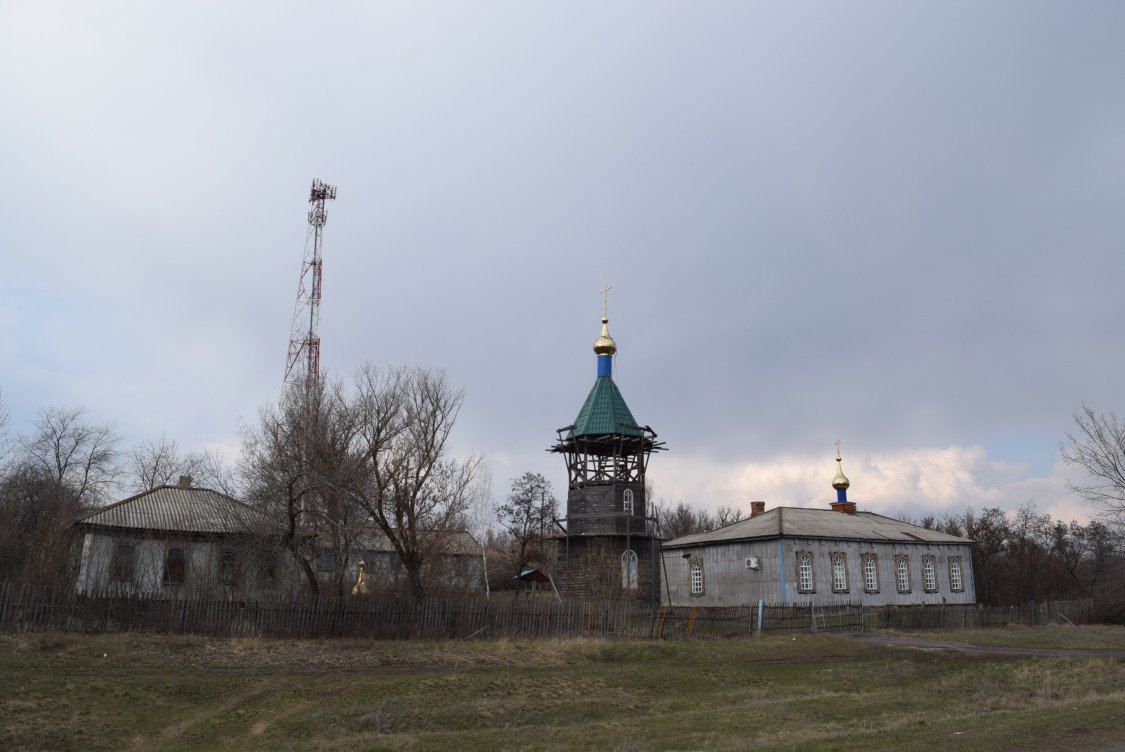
(970, 649)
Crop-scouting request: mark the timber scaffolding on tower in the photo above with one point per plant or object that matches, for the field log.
(608, 457)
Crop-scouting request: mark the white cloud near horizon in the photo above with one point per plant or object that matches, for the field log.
(911, 482)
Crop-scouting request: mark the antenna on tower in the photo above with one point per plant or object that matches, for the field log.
(303, 365)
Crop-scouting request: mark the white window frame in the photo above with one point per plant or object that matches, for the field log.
(806, 583)
(956, 581)
(627, 501)
(695, 568)
(870, 573)
(839, 572)
(929, 573)
(902, 573)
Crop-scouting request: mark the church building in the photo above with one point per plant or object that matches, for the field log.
(834, 556)
(610, 549)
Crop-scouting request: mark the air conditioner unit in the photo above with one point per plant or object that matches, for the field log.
(751, 562)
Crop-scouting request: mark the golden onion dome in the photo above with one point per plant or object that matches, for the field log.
(605, 344)
(840, 482)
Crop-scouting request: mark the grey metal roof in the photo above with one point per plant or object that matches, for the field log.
(795, 522)
(178, 509)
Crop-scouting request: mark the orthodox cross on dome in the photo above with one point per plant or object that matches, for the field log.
(605, 347)
(841, 483)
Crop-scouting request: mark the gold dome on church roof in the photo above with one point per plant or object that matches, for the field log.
(605, 344)
(840, 482)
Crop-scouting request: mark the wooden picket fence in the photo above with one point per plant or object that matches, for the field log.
(24, 608)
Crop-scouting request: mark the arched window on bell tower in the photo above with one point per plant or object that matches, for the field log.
(627, 503)
(629, 580)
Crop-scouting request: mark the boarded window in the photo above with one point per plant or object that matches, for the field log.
(902, 573)
(267, 568)
(839, 572)
(805, 572)
(870, 573)
(175, 566)
(121, 565)
(227, 567)
(929, 574)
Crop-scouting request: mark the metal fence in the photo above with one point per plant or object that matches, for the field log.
(24, 608)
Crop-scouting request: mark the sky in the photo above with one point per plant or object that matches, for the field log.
(892, 224)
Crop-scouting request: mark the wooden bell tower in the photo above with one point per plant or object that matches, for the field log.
(610, 550)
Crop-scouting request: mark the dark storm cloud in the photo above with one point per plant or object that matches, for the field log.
(887, 223)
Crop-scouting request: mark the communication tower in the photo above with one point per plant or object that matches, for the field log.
(303, 365)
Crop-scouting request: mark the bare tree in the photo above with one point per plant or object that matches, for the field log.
(526, 515)
(5, 439)
(1098, 446)
(159, 463)
(682, 519)
(725, 515)
(338, 465)
(74, 453)
(209, 470)
(37, 541)
(413, 490)
(299, 464)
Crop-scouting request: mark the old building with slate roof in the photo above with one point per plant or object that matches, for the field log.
(179, 541)
(174, 540)
(609, 548)
(830, 556)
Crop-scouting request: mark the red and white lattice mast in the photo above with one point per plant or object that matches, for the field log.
(303, 366)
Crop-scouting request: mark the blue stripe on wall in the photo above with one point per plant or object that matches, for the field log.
(781, 571)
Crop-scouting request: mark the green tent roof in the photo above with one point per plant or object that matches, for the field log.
(603, 412)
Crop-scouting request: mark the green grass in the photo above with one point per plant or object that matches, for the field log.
(1095, 637)
(809, 692)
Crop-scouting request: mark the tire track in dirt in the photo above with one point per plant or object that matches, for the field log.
(232, 703)
(261, 727)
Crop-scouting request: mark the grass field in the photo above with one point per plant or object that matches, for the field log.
(808, 692)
